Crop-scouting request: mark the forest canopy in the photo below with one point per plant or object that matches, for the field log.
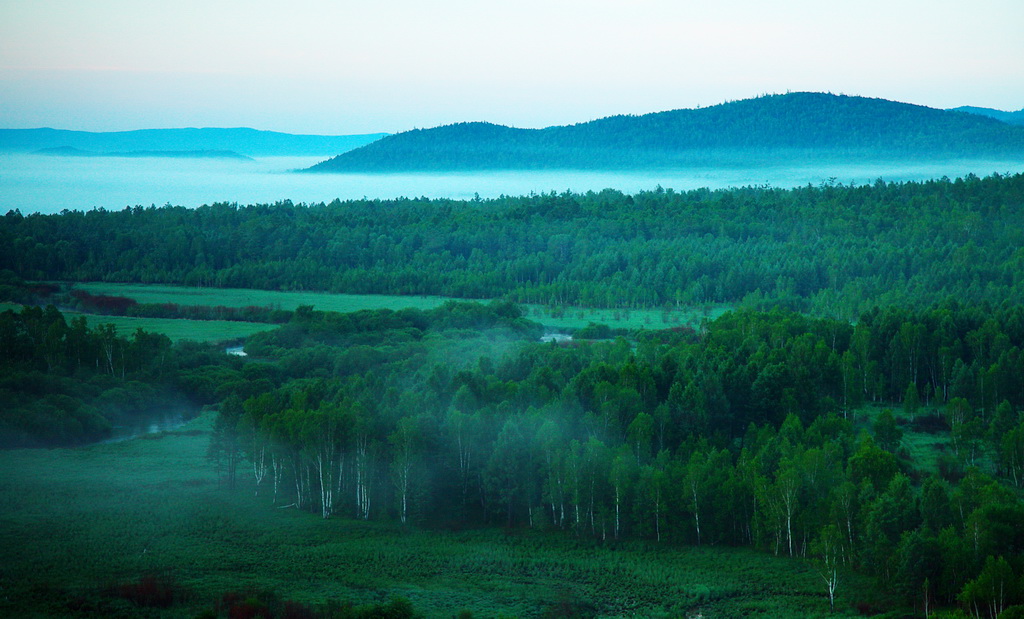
(750, 433)
(831, 250)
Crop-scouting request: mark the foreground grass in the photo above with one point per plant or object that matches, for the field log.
(76, 523)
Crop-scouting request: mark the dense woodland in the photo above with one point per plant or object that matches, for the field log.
(63, 383)
(831, 250)
(745, 433)
(766, 130)
(867, 314)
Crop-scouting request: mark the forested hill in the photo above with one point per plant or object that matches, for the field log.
(245, 141)
(764, 130)
(1013, 118)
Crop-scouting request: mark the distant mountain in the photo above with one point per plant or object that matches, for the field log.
(250, 142)
(70, 151)
(769, 129)
(1013, 118)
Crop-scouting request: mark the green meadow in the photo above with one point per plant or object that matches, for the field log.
(79, 525)
(924, 448)
(179, 329)
(579, 317)
(553, 317)
(243, 297)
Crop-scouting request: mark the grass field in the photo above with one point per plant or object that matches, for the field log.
(557, 318)
(75, 524)
(578, 317)
(179, 329)
(241, 297)
(924, 448)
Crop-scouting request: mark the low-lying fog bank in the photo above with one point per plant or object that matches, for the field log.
(36, 184)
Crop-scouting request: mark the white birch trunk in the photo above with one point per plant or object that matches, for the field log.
(259, 467)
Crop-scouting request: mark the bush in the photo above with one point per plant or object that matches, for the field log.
(149, 592)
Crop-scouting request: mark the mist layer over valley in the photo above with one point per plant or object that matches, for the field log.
(780, 141)
(38, 184)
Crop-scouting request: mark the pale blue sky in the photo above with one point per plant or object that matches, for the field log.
(311, 66)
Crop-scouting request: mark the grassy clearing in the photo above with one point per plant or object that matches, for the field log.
(174, 328)
(651, 319)
(241, 297)
(179, 329)
(556, 318)
(76, 522)
(924, 448)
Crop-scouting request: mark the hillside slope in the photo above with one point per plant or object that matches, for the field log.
(764, 130)
(1012, 118)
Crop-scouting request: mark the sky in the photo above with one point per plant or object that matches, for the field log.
(349, 67)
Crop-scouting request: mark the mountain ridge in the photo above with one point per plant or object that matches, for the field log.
(71, 151)
(1013, 118)
(760, 130)
(242, 140)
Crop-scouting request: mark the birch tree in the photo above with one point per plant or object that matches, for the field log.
(995, 588)
(325, 433)
(255, 440)
(549, 440)
(461, 429)
(106, 334)
(503, 476)
(405, 442)
(224, 448)
(1011, 454)
(363, 465)
(827, 551)
(787, 488)
(622, 475)
(694, 488)
(640, 434)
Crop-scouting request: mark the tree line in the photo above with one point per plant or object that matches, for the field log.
(832, 250)
(65, 383)
(109, 305)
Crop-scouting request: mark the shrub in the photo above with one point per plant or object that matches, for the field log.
(148, 592)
